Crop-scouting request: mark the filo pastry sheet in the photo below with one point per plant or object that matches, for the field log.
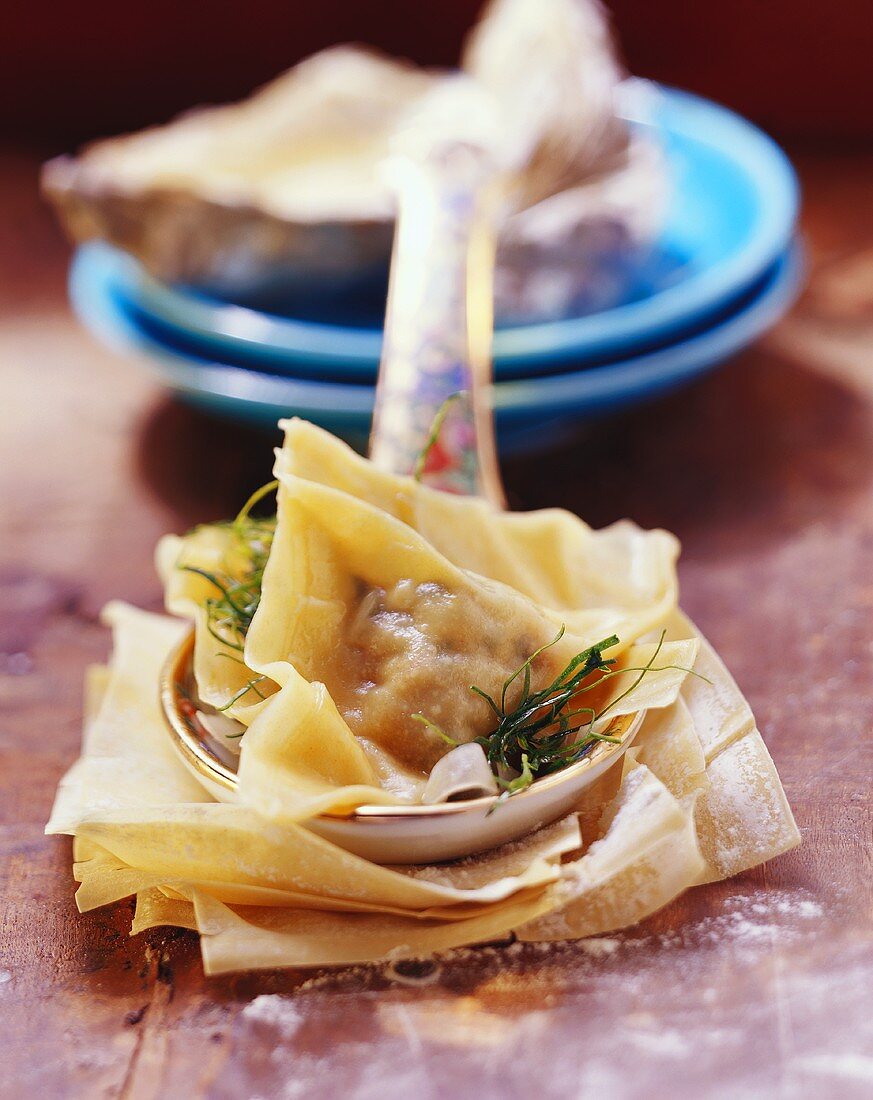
(697, 798)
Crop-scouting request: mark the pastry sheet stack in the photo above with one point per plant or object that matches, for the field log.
(696, 798)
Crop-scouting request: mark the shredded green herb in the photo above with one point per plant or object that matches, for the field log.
(434, 728)
(541, 732)
(229, 614)
(250, 685)
(434, 433)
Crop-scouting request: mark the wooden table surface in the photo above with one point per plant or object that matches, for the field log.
(755, 987)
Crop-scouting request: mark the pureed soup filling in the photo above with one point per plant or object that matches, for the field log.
(417, 648)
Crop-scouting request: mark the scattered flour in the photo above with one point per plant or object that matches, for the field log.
(745, 926)
(600, 946)
(856, 1067)
(781, 905)
(666, 1042)
(713, 1006)
(276, 1011)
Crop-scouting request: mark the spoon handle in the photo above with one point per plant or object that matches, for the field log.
(433, 398)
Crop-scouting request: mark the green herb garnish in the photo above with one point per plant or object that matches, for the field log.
(250, 685)
(229, 614)
(434, 434)
(541, 732)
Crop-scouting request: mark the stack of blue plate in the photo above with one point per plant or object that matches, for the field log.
(726, 267)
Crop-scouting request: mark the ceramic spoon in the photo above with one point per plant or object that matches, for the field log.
(436, 363)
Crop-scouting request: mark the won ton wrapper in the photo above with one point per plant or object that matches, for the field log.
(370, 580)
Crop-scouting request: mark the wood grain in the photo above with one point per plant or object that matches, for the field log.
(754, 987)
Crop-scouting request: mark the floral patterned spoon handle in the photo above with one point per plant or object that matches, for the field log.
(433, 398)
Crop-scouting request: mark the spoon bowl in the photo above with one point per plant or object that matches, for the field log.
(393, 834)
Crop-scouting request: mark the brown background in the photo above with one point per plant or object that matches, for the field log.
(69, 71)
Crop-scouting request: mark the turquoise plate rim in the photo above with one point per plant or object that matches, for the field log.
(249, 394)
(286, 341)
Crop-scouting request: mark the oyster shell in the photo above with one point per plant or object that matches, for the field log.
(281, 184)
(285, 189)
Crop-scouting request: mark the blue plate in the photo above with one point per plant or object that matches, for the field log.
(528, 411)
(732, 211)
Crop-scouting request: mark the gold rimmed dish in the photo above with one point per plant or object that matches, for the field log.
(407, 833)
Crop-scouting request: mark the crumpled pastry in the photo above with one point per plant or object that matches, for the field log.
(265, 895)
